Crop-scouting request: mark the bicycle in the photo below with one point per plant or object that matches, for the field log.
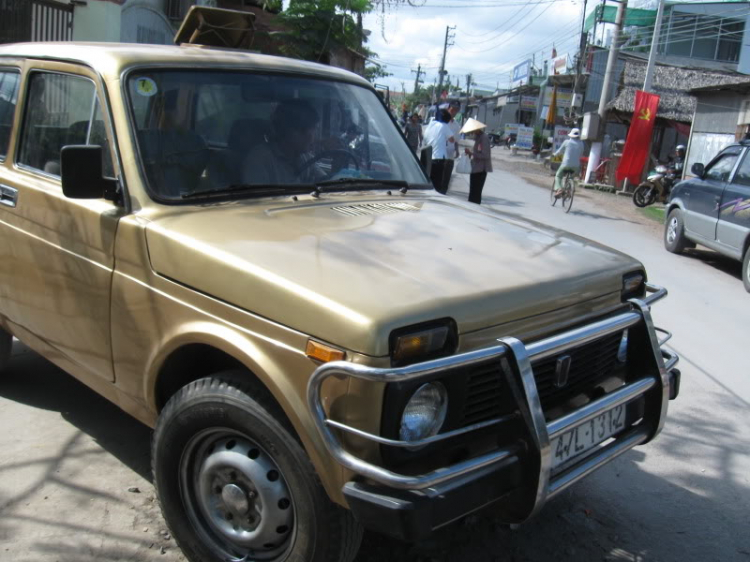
(567, 192)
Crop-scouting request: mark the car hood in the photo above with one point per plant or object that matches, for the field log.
(349, 270)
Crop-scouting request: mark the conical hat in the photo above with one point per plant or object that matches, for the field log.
(471, 126)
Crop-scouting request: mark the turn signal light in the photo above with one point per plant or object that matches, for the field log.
(322, 352)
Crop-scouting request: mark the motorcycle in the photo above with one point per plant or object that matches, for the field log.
(495, 139)
(510, 140)
(658, 184)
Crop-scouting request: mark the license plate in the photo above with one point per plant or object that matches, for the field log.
(585, 437)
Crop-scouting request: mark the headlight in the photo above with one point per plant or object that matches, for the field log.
(409, 345)
(633, 285)
(424, 414)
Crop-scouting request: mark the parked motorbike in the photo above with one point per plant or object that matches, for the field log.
(658, 184)
(510, 140)
(495, 139)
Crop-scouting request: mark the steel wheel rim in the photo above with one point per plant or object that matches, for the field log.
(672, 230)
(235, 496)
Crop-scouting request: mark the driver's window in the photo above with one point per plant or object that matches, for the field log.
(721, 168)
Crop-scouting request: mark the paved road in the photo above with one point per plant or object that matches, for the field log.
(69, 457)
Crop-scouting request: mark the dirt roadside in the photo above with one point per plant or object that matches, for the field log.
(535, 173)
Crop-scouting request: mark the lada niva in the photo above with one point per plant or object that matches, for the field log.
(242, 252)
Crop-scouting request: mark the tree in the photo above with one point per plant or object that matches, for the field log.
(374, 70)
(313, 29)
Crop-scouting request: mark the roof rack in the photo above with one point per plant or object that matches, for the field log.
(217, 27)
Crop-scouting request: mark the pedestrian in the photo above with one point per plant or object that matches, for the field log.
(452, 108)
(571, 162)
(481, 158)
(439, 137)
(413, 132)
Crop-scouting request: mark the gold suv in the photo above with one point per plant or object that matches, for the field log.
(242, 252)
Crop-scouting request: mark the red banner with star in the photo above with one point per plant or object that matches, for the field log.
(638, 142)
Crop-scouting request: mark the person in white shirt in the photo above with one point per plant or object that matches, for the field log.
(440, 138)
(455, 126)
(571, 162)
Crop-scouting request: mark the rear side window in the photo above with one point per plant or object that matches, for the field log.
(61, 110)
(742, 176)
(722, 167)
(8, 98)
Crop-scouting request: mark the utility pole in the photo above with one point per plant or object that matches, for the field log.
(652, 52)
(417, 80)
(581, 54)
(468, 86)
(614, 51)
(448, 37)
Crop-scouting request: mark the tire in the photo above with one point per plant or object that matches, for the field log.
(644, 195)
(6, 348)
(552, 198)
(674, 233)
(746, 270)
(568, 193)
(216, 442)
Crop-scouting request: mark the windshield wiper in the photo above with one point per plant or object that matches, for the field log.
(343, 184)
(256, 190)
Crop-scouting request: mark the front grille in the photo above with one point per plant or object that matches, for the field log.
(484, 389)
(591, 364)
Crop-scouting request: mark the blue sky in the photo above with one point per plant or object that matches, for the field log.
(491, 37)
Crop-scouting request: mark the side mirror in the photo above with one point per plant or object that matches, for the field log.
(698, 170)
(81, 173)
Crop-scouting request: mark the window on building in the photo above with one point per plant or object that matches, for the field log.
(702, 36)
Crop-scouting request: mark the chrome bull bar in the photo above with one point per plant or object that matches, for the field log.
(514, 351)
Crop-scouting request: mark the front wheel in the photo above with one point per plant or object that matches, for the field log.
(644, 195)
(746, 270)
(235, 484)
(674, 233)
(568, 193)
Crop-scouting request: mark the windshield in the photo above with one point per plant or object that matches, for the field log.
(206, 132)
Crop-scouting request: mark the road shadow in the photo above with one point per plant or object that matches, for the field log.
(716, 260)
(623, 512)
(597, 216)
(32, 380)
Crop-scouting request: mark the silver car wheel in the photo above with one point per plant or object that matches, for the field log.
(672, 230)
(236, 496)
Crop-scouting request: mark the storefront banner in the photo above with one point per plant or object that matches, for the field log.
(525, 137)
(638, 141)
(511, 129)
(528, 103)
(564, 97)
(561, 135)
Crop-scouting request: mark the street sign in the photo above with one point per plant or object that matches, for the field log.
(525, 137)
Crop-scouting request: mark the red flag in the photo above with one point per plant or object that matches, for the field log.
(638, 141)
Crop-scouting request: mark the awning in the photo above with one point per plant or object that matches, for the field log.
(633, 16)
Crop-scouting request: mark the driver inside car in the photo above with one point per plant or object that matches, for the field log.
(286, 157)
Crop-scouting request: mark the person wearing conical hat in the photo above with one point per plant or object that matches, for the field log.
(481, 158)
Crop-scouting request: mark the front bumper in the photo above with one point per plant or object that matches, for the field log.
(411, 506)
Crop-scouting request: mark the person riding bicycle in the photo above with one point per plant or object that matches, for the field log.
(572, 149)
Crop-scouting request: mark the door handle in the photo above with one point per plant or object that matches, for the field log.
(8, 195)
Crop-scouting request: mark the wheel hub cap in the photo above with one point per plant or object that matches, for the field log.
(235, 499)
(241, 496)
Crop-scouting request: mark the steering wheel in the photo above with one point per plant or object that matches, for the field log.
(328, 153)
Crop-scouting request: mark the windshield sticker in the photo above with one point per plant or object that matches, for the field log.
(145, 86)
